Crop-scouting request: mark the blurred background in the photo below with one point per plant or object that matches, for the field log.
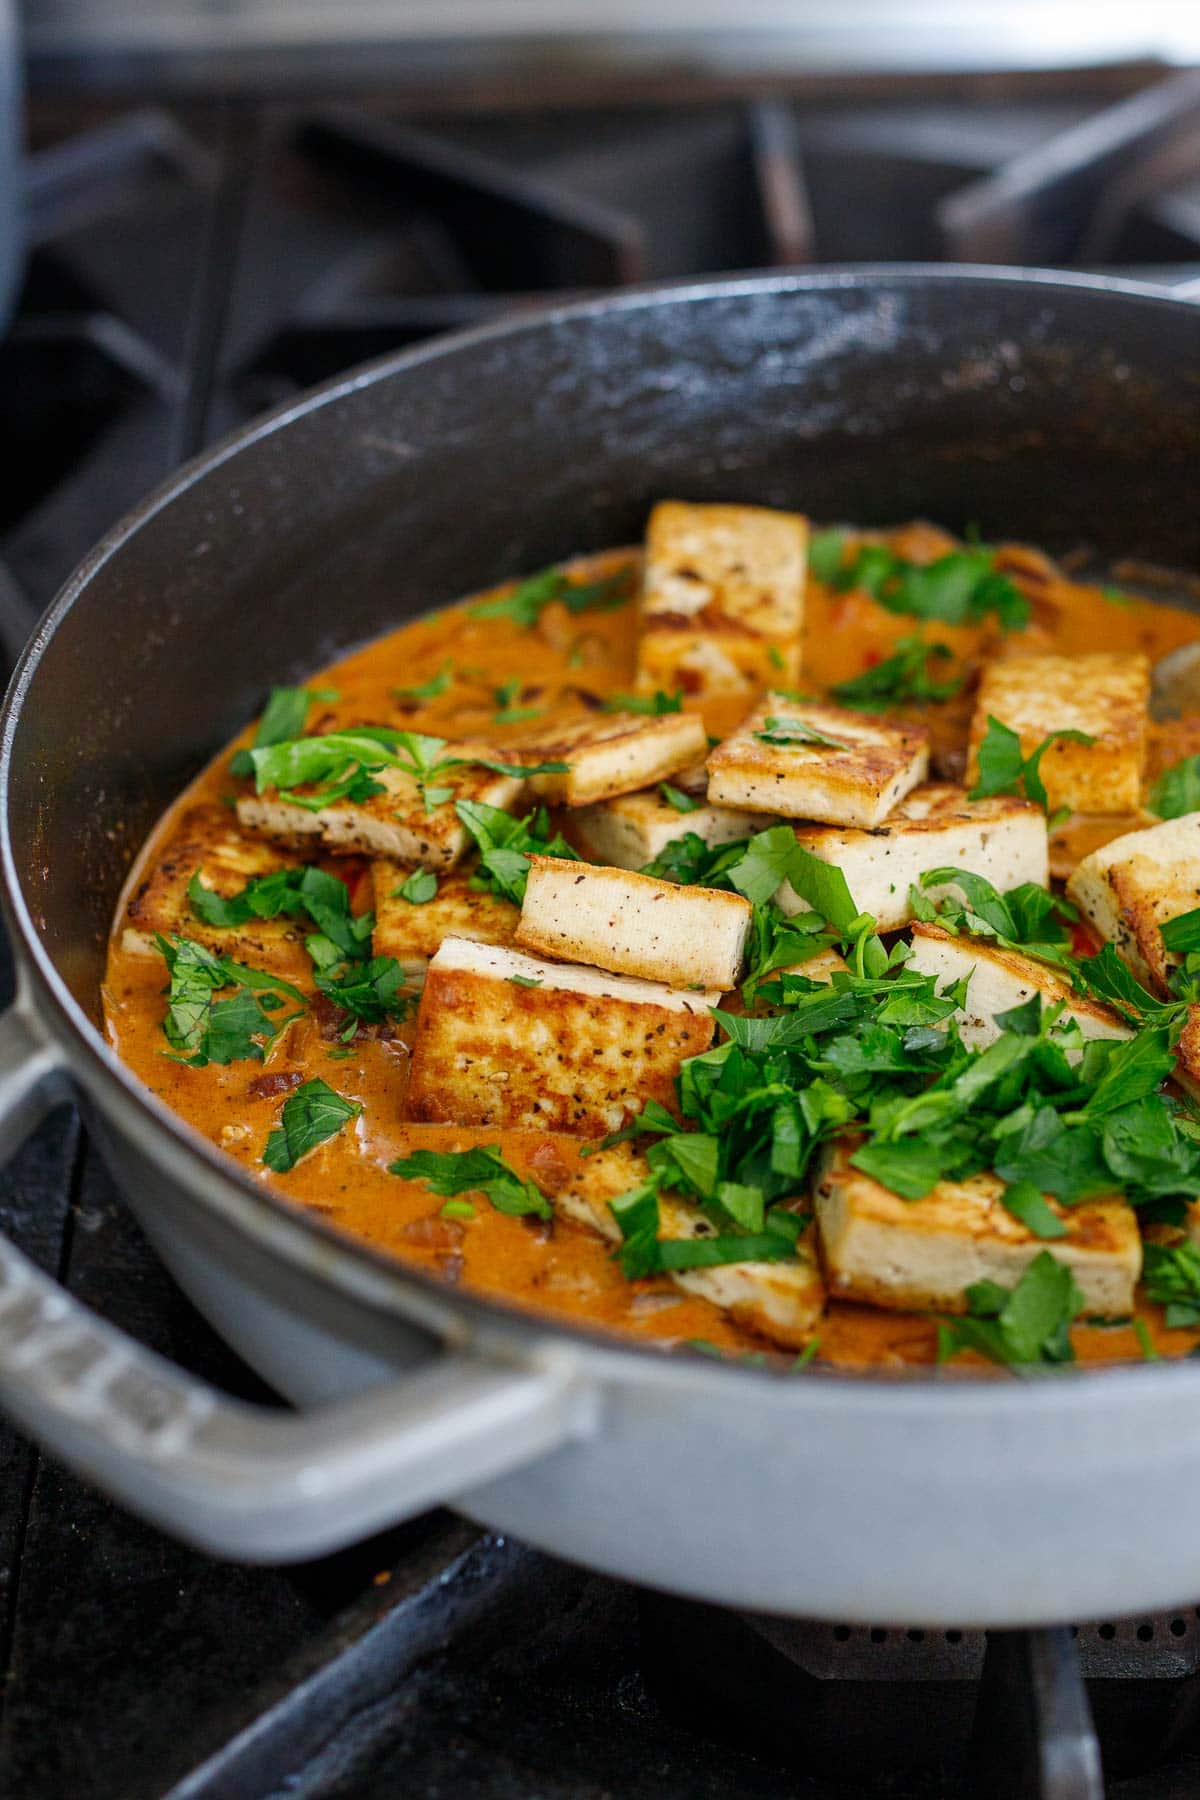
(205, 207)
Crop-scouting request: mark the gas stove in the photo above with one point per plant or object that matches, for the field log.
(189, 267)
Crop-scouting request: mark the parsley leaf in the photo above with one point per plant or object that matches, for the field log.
(1172, 1278)
(683, 803)
(1028, 1324)
(652, 705)
(481, 1170)
(371, 991)
(1177, 790)
(1026, 1202)
(1182, 933)
(201, 1028)
(311, 1116)
(425, 690)
(505, 845)
(900, 679)
(528, 600)
(791, 732)
(324, 898)
(960, 588)
(644, 1253)
(418, 888)
(1003, 769)
(283, 717)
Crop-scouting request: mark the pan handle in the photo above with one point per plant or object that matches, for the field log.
(244, 1481)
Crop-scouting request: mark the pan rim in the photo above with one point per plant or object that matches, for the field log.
(355, 1268)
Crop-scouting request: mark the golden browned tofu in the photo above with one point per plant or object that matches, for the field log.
(723, 599)
(923, 1255)
(999, 980)
(1129, 888)
(508, 1039)
(634, 924)
(394, 823)
(1102, 694)
(634, 829)
(782, 1300)
(208, 843)
(412, 932)
(934, 827)
(806, 760)
(613, 753)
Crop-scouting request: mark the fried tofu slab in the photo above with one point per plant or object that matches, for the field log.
(998, 981)
(1131, 887)
(723, 600)
(395, 823)
(412, 932)
(508, 1039)
(634, 924)
(807, 760)
(783, 1301)
(210, 845)
(1100, 694)
(615, 753)
(923, 1255)
(935, 826)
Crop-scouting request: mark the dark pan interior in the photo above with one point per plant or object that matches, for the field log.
(1061, 414)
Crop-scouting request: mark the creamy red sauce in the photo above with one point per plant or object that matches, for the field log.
(566, 664)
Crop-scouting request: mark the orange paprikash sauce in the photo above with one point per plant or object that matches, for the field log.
(562, 1270)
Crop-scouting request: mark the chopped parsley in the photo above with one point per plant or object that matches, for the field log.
(201, 1028)
(1003, 769)
(311, 1116)
(418, 888)
(371, 991)
(506, 843)
(309, 892)
(1026, 1325)
(796, 731)
(1177, 789)
(425, 690)
(652, 705)
(643, 1252)
(1172, 1278)
(482, 1170)
(528, 600)
(904, 678)
(1028, 918)
(675, 797)
(961, 588)
(343, 763)
(284, 716)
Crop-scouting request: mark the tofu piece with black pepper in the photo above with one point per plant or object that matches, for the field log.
(509, 1039)
(784, 1301)
(635, 829)
(1102, 694)
(634, 924)
(934, 827)
(412, 932)
(807, 760)
(1131, 887)
(923, 1255)
(722, 609)
(209, 845)
(1000, 980)
(610, 754)
(394, 823)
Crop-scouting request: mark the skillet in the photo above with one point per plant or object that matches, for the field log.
(1051, 408)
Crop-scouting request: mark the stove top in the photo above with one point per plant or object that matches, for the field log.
(189, 267)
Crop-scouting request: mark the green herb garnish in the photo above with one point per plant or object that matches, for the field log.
(1172, 1278)
(652, 705)
(418, 889)
(505, 845)
(675, 797)
(1003, 769)
(789, 732)
(960, 588)
(526, 602)
(311, 1116)
(1025, 1325)
(425, 690)
(482, 1170)
(1177, 790)
(904, 678)
(201, 1028)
